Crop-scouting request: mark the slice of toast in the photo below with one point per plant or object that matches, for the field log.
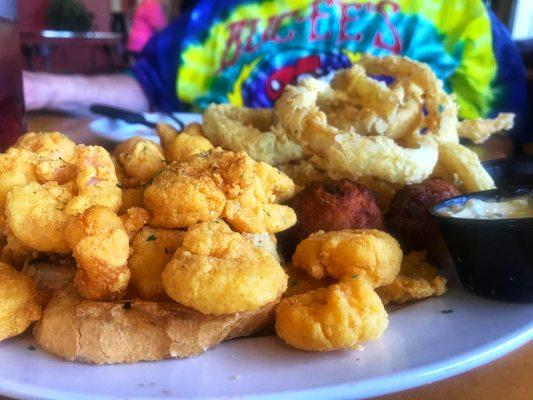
(129, 331)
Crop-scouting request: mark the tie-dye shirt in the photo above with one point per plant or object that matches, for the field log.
(245, 52)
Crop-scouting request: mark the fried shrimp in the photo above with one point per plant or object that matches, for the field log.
(100, 246)
(417, 280)
(140, 159)
(250, 130)
(19, 302)
(51, 145)
(178, 146)
(131, 197)
(217, 271)
(96, 181)
(17, 168)
(301, 282)
(134, 219)
(221, 184)
(36, 215)
(341, 316)
(369, 253)
(152, 249)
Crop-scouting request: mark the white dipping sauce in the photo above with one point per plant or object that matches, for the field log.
(518, 207)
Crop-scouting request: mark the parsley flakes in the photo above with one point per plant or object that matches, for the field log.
(151, 238)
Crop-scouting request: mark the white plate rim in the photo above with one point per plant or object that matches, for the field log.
(395, 382)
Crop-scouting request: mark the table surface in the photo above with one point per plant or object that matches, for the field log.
(510, 377)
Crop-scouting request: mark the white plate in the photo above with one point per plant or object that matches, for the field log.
(118, 131)
(421, 345)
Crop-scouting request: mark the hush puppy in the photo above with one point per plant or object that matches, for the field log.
(409, 220)
(331, 206)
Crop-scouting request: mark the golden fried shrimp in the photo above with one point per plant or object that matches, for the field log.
(369, 253)
(301, 282)
(100, 245)
(51, 145)
(178, 146)
(221, 184)
(461, 166)
(96, 181)
(176, 200)
(341, 316)
(19, 302)
(250, 130)
(217, 271)
(478, 130)
(417, 280)
(141, 159)
(134, 219)
(49, 170)
(36, 215)
(152, 249)
(131, 197)
(17, 168)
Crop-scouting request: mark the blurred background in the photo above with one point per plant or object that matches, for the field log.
(75, 36)
(52, 39)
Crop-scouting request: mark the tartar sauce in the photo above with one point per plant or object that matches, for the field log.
(518, 207)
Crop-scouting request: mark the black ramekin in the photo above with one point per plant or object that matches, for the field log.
(511, 171)
(493, 257)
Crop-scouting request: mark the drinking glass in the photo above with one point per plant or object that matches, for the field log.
(11, 94)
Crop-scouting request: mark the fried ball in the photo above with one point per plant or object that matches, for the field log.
(131, 197)
(100, 245)
(134, 219)
(178, 146)
(341, 316)
(217, 271)
(417, 280)
(368, 253)
(141, 160)
(152, 250)
(331, 206)
(19, 302)
(52, 145)
(36, 215)
(409, 219)
(220, 184)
